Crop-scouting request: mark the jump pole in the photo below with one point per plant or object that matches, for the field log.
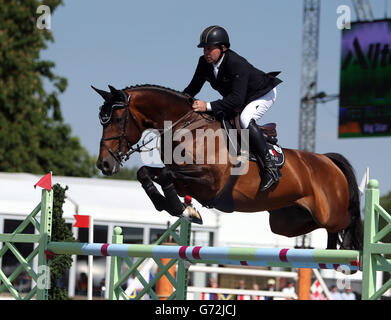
(267, 257)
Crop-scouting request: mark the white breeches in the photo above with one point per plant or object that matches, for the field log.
(257, 108)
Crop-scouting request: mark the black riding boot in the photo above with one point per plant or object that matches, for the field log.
(258, 145)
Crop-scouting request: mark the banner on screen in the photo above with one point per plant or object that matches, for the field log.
(365, 81)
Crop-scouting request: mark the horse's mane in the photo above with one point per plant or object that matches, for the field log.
(179, 94)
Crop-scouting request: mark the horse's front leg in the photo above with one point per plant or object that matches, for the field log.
(170, 201)
(146, 176)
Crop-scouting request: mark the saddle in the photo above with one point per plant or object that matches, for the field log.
(270, 133)
(224, 201)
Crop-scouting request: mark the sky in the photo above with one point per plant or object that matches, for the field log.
(124, 43)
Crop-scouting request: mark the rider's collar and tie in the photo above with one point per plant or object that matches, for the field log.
(216, 66)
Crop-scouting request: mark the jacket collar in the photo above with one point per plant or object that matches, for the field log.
(222, 62)
(219, 62)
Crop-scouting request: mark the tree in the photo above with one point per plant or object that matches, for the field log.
(60, 232)
(33, 137)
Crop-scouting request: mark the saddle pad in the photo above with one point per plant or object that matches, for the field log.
(271, 137)
(276, 153)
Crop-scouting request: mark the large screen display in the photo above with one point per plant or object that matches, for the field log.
(365, 81)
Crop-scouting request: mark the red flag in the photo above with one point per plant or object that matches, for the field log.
(45, 182)
(82, 221)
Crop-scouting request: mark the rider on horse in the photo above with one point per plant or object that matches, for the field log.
(243, 88)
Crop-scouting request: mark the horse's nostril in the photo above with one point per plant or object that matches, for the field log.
(106, 164)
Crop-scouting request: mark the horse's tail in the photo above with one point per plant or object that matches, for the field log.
(352, 236)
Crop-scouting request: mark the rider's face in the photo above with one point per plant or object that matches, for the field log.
(212, 54)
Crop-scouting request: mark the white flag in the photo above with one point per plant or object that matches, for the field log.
(364, 181)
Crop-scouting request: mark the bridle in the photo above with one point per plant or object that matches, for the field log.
(105, 119)
(120, 156)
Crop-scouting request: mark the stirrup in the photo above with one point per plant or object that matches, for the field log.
(275, 173)
(273, 179)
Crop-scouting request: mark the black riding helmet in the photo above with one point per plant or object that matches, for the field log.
(214, 35)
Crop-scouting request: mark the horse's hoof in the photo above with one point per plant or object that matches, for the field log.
(192, 215)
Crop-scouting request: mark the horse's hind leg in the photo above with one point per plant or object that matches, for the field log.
(291, 221)
(295, 221)
(332, 240)
(170, 201)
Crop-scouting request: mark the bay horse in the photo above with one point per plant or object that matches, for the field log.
(315, 190)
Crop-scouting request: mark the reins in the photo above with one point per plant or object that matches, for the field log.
(161, 132)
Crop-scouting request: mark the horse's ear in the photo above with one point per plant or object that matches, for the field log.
(112, 89)
(117, 94)
(104, 94)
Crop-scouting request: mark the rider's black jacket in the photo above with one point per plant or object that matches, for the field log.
(237, 81)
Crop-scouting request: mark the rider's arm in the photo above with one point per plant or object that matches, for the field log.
(198, 80)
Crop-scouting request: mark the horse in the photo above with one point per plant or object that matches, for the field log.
(314, 191)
